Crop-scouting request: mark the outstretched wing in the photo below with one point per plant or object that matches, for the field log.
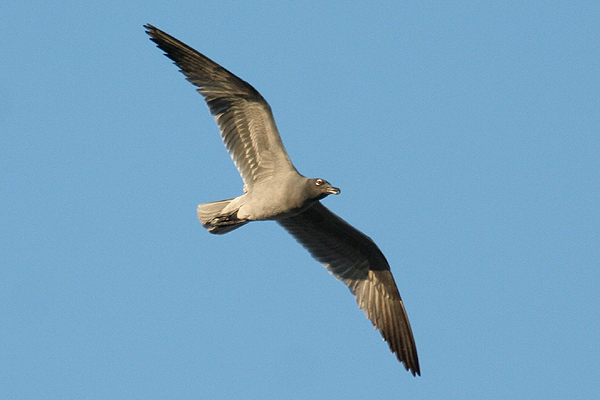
(356, 260)
(244, 117)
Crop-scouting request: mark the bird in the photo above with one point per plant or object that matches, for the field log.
(274, 190)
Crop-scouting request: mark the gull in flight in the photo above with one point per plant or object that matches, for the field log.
(275, 190)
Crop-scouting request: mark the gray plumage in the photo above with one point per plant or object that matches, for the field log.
(274, 190)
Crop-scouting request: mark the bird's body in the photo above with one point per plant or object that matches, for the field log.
(275, 190)
(282, 200)
(274, 198)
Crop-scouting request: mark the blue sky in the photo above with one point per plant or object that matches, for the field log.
(465, 138)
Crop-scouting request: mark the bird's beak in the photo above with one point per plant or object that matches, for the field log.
(333, 190)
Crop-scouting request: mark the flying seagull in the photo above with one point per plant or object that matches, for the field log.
(274, 190)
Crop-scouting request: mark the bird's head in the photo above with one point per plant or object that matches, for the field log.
(320, 188)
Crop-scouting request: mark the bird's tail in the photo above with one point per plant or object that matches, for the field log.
(216, 219)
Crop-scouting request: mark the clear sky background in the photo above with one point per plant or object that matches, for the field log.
(465, 138)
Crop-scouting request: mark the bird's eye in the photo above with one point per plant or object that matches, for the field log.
(319, 182)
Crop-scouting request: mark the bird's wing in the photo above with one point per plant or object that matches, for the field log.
(243, 115)
(355, 259)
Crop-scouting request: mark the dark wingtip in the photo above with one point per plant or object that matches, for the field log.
(152, 31)
(412, 365)
(411, 362)
(415, 370)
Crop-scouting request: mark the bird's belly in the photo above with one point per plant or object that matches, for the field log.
(271, 208)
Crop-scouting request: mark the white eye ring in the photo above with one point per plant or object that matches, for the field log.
(319, 182)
